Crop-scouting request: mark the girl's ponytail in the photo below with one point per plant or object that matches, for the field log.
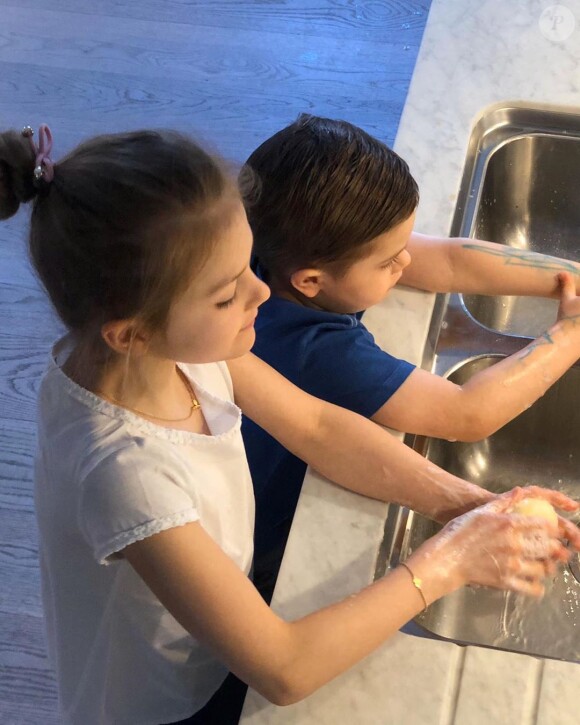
(123, 226)
(17, 162)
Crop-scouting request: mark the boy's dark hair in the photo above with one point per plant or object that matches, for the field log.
(122, 227)
(325, 189)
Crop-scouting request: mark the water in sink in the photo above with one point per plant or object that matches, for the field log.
(558, 613)
(549, 627)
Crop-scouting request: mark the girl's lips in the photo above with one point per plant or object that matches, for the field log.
(250, 324)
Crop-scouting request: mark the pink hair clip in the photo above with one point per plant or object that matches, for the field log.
(43, 165)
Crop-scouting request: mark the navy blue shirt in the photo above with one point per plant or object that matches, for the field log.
(330, 355)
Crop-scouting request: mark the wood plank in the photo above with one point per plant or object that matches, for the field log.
(17, 443)
(19, 573)
(113, 103)
(27, 685)
(199, 54)
(358, 19)
(24, 356)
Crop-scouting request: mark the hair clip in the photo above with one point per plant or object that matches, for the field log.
(43, 165)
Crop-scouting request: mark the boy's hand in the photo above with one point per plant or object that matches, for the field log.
(569, 301)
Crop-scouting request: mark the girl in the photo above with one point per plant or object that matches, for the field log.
(143, 495)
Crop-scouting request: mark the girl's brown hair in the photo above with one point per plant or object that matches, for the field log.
(120, 230)
(326, 188)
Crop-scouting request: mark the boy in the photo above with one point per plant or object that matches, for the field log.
(333, 233)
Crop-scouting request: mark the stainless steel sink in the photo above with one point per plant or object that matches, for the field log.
(541, 446)
(521, 186)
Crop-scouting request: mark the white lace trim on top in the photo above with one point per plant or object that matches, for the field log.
(143, 531)
(99, 405)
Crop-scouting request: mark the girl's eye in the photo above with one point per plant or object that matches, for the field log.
(390, 263)
(226, 303)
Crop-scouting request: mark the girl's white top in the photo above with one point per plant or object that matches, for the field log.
(106, 478)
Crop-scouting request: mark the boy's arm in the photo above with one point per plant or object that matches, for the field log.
(429, 405)
(471, 266)
(354, 452)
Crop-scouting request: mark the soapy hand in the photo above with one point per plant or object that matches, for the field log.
(566, 529)
(492, 547)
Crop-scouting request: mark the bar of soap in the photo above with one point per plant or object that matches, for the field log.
(536, 507)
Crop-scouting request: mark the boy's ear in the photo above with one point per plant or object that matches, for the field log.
(124, 337)
(307, 281)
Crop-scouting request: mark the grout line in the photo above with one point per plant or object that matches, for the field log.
(449, 707)
(530, 714)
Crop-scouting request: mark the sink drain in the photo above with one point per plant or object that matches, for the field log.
(575, 566)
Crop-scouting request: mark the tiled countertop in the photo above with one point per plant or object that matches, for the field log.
(474, 53)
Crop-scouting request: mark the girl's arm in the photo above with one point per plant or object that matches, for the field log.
(440, 264)
(286, 661)
(490, 399)
(347, 448)
(353, 451)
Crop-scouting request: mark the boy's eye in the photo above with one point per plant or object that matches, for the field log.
(225, 303)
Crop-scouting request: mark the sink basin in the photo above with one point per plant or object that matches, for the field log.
(525, 189)
(521, 187)
(542, 447)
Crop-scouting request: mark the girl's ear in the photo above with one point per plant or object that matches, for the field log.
(124, 337)
(307, 281)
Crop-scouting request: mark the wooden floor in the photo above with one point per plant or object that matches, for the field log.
(230, 71)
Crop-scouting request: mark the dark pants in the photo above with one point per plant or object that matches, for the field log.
(224, 708)
(267, 561)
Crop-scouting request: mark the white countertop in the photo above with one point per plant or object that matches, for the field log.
(474, 53)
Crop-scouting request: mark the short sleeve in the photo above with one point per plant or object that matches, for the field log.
(346, 367)
(132, 494)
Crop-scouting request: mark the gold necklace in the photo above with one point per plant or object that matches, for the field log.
(194, 402)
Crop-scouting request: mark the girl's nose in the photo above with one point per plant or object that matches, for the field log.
(404, 259)
(265, 290)
(262, 291)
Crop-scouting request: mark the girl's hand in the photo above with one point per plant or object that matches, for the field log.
(569, 301)
(566, 529)
(491, 547)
